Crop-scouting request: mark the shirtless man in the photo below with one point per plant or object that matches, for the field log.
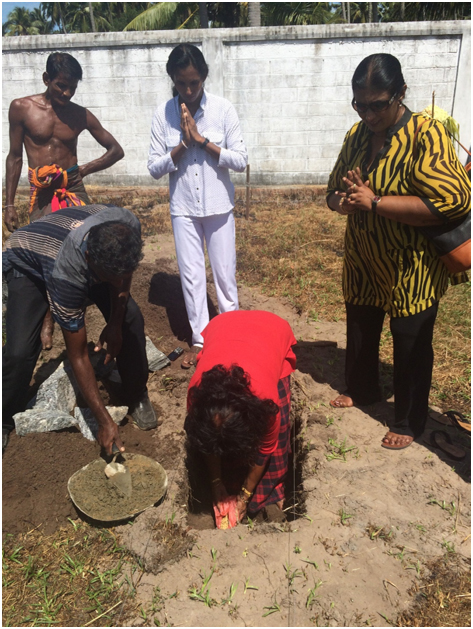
(48, 126)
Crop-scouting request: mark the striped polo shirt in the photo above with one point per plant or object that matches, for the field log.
(52, 250)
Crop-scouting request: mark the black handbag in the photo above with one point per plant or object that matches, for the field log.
(452, 242)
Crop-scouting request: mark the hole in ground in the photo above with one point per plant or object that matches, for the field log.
(200, 512)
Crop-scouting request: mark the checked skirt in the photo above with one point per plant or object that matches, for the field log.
(270, 489)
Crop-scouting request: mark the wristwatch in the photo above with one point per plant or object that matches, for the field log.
(374, 203)
(204, 143)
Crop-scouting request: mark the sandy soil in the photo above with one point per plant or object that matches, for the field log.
(313, 570)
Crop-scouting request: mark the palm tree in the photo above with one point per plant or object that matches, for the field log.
(203, 15)
(41, 22)
(298, 13)
(360, 12)
(55, 11)
(254, 13)
(114, 16)
(19, 23)
(166, 15)
(228, 14)
(424, 11)
(77, 17)
(92, 19)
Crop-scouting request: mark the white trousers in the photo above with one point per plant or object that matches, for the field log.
(219, 234)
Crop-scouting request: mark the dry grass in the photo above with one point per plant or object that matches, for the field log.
(292, 248)
(443, 599)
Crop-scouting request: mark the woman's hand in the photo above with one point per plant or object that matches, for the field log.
(185, 115)
(343, 207)
(219, 494)
(359, 195)
(242, 506)
(188, 126)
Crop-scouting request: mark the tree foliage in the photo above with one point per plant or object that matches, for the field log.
(75, 17)
(298, 13)
(166, 16)
(19, 23)
(424, 11)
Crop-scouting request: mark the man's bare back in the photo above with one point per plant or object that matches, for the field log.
(48, 126)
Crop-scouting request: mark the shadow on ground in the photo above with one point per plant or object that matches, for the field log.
(326, 363)
(165, 291)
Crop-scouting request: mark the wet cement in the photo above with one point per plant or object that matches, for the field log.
(96, 496)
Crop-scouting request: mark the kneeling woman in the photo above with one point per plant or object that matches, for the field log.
(238, 411)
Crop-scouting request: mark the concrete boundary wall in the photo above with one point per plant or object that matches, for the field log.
(290, 86)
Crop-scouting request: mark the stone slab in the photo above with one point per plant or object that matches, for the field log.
(156, 359)
(87, 423)
(41, 419)
(59, 392)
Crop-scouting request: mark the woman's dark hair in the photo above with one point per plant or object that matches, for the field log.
(380, 71)
(183, 56)
(244, 418)
(63, 62)
(115, 247)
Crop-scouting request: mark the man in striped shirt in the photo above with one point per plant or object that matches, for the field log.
(68, 260)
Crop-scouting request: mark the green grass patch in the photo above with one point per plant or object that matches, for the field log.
(73, 578)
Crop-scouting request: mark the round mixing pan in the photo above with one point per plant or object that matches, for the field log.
(93, 493)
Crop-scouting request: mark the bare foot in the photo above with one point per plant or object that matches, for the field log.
(47, 331)
(392, 441)
(342, 401)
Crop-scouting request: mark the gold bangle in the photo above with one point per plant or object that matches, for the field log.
(246, 492)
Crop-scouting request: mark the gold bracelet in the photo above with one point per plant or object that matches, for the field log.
(243, 499)
(246, 492)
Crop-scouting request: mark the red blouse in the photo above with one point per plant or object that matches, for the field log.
(259, 342)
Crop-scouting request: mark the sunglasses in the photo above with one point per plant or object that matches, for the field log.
(376, 106)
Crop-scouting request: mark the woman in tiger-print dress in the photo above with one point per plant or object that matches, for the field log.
(387, 191)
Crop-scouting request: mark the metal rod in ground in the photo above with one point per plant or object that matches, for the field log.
(247, 192)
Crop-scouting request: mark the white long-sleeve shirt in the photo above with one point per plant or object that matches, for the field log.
(199, 184)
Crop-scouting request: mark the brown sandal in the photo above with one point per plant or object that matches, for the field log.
(190, 357)
(442, 441)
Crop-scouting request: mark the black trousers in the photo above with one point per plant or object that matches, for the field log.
(413, 363)
(26, 308)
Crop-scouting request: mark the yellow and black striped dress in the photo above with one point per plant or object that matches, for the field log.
(389, 264)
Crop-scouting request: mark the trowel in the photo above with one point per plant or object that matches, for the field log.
(118, 474)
